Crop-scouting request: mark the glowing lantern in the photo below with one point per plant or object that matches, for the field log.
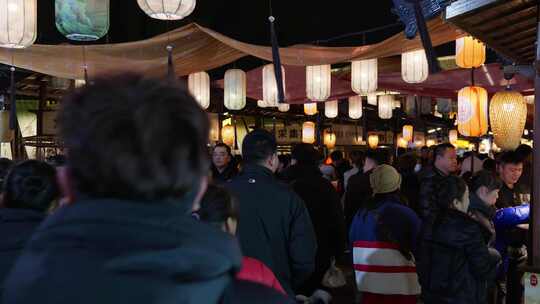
(472, 111)
(386, 106)
(372, 99)
(364, 76)
(430, 143)
(470, 53)
(235, 89)
(318, 82)
(82, 20)
(330, 140)
(227, 135)
(79, 83)
(199, 87)
(508, 115)
(270, 91)
(402, 143)
(331, 109)
(373, 141)
(408, 132)
(414, 66)
(167, 9)
(355, 107)
(284, 107)
(18, 28)
(308, 132)
(261, 103)
(453, 137)
(310, 108)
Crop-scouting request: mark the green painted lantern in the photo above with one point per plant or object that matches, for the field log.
(82, 20)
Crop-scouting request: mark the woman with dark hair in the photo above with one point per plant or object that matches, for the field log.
(485, 188)
(454, 262)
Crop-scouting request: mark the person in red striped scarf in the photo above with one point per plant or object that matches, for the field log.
(383, 237)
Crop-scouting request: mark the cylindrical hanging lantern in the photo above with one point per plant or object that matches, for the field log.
(6, 134)
(270, 91)
(355, 107)
(430, 143)
(79, 83)
(261, 103)
(310, 108)
(308, 132)
(408, 132)
(199, 87)
(372, 99)
(235, 89)
(284, 107)
(227, 135)
(472, 111)
(373, 141)
(402, 143)
(18, 26)
(82, 20)
(453, 137)
(330, 140)
(470, 53)
(364, 76)
(414, 66)
(508, 115)
(318, 82)
(167, 9)
(386, 106)
(331, 109)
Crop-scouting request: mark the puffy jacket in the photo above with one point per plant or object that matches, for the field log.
(255, 271)
(429, 179)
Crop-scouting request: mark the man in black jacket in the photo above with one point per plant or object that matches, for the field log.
(274, 224)
(137, 168)
(223, 168)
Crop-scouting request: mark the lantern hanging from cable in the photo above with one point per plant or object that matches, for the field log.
(414, 66)
(408, 132)
(167, 9)
(386, 106)
(508, 115)
(227, 135)
(310, 108)
(355, 107)
(470, 53)
(453, 137)
(430, 143)
(18, 28)
(284, 107)
(402, 143)
(270, 91)
(318, 82)
(364, 76)
(331, 109)
(82, 20)
(235, 89)
(308, 132)
(373, 141)
(330, 139)
(372, 99)
(472, 111)
(199, 87)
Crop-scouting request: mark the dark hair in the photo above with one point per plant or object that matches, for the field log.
(380, 156)
(407, 162)
(56, 160)
(222, 145)
(336, 156)
(441, 149)
(511, 157)
(448, 190)
(357, 158)
(489, 165)
(524, 151)
(258, 145)
(217, 205)
(31, 185)
(5, 165)
(306, 154)
(486, 179)
(131, 137)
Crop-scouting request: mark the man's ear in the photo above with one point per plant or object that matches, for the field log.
(65, 183)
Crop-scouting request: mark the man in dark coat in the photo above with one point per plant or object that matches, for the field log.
(274, 225)
(137, 168)
(223, 168)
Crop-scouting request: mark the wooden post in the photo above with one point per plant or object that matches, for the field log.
(535, 204)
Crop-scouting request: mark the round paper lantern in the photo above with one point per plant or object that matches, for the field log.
(470, 53)
(310, 108)
(270, 91)
(227, 135)
(82, 20)
(331, 109)
(199, 87)
(18, 28)
(330, 140)
(308, 132)
(386, 106)
(373, 141)
(508, 115)
(355, 107)
(318, 82)
(167, 9)
(472, 111)
(453, 137)
(364, 76)
(372, 99)
(408, 132)
(430, 143)
(235, 89)
(414, 66)
(284, 107)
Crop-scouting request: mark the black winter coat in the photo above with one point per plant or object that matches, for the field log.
(454, 263)
(274, 226)
(410, 188)
(427, 201)
(357, 194)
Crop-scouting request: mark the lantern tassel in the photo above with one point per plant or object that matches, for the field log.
(277, 60)
(170, 64)
(13, 101)
(426, 40)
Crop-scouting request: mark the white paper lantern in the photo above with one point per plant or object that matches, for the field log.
(199, 87)
(453, 137)
(372, 99)
(270, 91)
(167, 9)
(373, 141)
(386, 106)
(310, 108)
(364, 76)
(18, 23)
(331, 109)
(284, 107)
(235, 89)
(318, 82)
(355, 107)
(79, 83)
(308, 132)
(414, 66)
(408, 132)
(261, 104)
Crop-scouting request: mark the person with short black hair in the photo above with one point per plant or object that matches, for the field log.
(410, 185)
(341, 165)
(275, 226)
(526, 180)
(509, 168)
(223, 167)
(357, 160)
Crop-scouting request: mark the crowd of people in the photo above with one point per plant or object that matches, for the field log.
(143, 211)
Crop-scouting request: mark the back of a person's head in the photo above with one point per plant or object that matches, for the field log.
(258, 146)
(336, 156)
(407, 162)
(524, 151)
(380, 156)
(136, 138)
(217, 205)
(30, 185)
(489, 165)
(305, 154)
(486, 179)
(5, 165)
(451, 188)
(357, 158)
(510, 157)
